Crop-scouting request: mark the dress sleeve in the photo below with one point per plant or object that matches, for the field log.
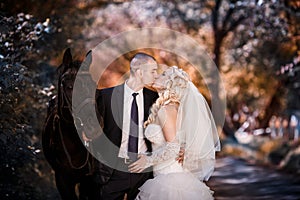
(168, 151)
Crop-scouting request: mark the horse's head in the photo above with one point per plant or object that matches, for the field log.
(67, 72)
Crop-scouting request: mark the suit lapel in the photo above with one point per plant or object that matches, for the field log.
(117, 101)
(146, 104)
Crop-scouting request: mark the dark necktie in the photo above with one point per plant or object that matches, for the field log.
(134, 130)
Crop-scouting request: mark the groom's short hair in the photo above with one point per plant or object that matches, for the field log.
(140, 59)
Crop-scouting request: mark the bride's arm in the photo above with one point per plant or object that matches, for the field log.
(167, 117)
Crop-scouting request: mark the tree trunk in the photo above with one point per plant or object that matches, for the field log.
(273, 108)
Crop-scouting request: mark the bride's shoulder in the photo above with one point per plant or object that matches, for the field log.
(169, 106)
(167, 110)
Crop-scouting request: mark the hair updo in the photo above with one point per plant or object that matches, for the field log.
(173, 92)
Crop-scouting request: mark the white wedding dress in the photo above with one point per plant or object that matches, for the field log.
(170, 180)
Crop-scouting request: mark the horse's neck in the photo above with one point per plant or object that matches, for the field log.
(66, 115)
(63, 108)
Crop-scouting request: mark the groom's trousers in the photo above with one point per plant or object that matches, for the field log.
(123, 182)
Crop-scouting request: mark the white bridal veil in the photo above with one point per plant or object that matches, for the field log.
(197, 130)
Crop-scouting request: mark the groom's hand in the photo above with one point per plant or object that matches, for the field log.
(85, 139)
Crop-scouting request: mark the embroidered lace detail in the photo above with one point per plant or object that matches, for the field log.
(154, 137)
(166, 152)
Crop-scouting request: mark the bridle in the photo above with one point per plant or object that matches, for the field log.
(64, 98)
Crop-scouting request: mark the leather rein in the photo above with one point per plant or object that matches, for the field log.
(57, 119)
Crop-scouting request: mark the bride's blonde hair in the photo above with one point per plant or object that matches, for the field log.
(173, 92)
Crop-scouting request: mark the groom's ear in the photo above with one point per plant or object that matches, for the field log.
(139, 72)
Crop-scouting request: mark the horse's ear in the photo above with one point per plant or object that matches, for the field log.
(88, 57)
(67, 60)
(88, 53)
(87, 61)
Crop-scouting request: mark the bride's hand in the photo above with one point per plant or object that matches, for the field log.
(139, 165)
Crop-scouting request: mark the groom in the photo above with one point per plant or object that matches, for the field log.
(122, 111)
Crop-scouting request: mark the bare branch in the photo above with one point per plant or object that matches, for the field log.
(236, 23)
(227, 17)
(215, 15)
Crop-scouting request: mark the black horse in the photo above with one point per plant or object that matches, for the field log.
(62, 145)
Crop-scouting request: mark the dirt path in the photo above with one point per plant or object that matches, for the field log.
(237, 179)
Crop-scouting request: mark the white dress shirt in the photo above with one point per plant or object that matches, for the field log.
(128, 98)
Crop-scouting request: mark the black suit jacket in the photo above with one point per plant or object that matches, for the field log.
(109, 105)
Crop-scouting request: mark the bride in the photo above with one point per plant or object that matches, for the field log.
(179, 117)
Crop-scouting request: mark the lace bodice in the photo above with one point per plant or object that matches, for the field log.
(155, 135)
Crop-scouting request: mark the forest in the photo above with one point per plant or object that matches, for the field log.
(254, 45)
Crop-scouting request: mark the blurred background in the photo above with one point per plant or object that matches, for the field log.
(254, 44)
